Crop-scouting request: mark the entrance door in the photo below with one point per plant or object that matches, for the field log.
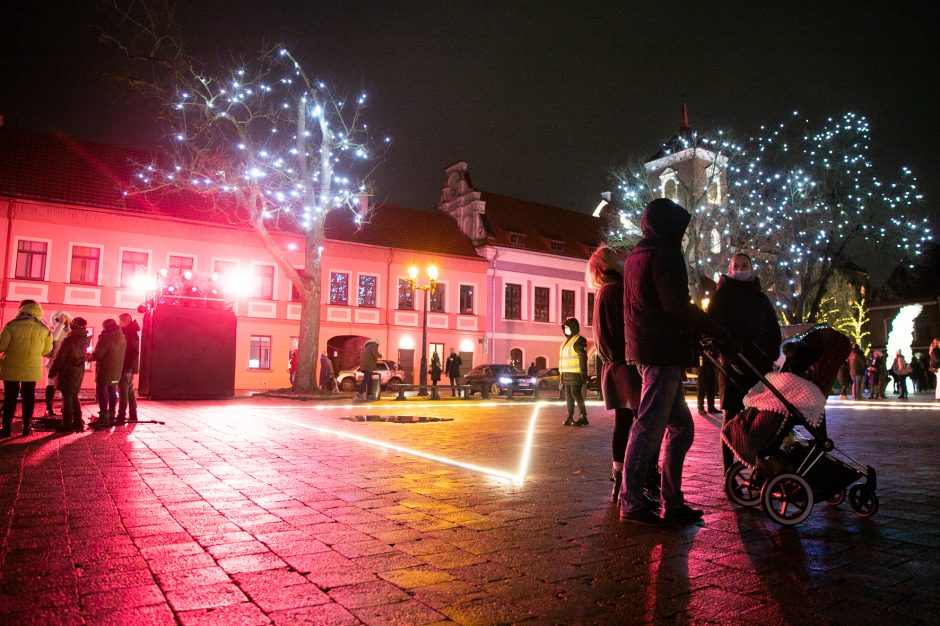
(406, 359)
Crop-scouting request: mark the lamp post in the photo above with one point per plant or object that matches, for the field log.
(429, 288)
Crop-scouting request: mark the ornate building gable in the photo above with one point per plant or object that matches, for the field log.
(462, 202)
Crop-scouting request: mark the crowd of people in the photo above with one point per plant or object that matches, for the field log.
(55, 354)
(867, 376)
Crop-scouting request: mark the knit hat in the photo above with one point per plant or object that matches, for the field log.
(78, 322)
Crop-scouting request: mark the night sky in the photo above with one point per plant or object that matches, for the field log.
(540, 97)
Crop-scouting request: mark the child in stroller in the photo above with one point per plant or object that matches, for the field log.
(780, 468)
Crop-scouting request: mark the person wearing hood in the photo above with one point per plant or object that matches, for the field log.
(23, 342)
(367, 363)
(68, 368)
(661, 329)
(741, 306)
(60, 328)
(109, 355)
(127, 400)
(572, 365)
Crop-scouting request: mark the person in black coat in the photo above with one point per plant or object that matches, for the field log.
(661, 331)
(745, 311)
(619, 381)
(68, 368)
(452, 369)
(127, 400)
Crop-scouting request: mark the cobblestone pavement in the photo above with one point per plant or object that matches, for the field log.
(257, 511)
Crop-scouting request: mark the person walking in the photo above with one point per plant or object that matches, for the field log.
(435, 370)
(901, 371)
(109, 356)
(23, 342)
(68, 368)
(857, 366)
(367, 363)
(572, 366)
(127, 399)
(619, 381)
(452, 369)
(60, 328)
(327, 380)
(661, 326)
(742, 308)
(933, 363)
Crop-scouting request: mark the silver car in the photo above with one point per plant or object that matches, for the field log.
(390, 374)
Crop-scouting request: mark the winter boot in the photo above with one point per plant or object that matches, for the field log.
(569, 421)
(50, 395)
(617, 477)
(582, 422)
(78, 424)
(119, 420)
(27, 426)
(105, 420)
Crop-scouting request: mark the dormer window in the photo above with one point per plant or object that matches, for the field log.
(517, 239)
(669, 181)
(557, 246)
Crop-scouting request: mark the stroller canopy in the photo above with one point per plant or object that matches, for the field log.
(817, 354)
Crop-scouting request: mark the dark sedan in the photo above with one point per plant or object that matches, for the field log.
(498, 379)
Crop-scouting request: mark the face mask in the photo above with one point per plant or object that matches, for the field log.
(567, 331)
(741, 275)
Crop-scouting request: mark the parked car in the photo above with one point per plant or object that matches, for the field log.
(390, 373)
(549, 379)
(498, 378)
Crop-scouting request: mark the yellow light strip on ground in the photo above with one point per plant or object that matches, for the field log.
(517, 478)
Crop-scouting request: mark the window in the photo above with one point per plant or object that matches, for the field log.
(368, 286)
(406, 296)
(515, 358)
(31, 259)
(84, 267)
(437, 299)
(513, 308)
(339, 288)
(567, 304)
(590, 315)
(259, 353)
(181, 263)
(466, 299)
(264, 282)
(294, 294)
(540, 306)
(671, 189)
(133, 264)
(516, 239)
(557, 246)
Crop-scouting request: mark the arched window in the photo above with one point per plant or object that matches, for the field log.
(671, 189)
(515, 358)
(541, 363)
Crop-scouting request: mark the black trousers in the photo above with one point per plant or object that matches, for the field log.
(573, 394)
(12, 389)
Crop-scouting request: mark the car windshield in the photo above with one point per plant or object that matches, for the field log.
(506, 370)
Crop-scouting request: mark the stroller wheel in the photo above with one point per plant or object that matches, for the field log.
(787, 499)
(837, 499)
(743, 484)
(863, 500)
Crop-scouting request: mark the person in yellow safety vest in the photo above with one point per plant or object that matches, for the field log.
(572, 364)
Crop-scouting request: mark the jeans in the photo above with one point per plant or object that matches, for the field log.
(127, 399)
(573, 394)
(662, 412)
(454, 381)
(858, 387)
(106, 394)
(12, 389)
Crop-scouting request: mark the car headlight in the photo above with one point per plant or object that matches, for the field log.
(534, 380)
(503, 380)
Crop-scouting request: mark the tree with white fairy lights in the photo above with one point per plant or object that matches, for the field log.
(268, 145)
(803, 199)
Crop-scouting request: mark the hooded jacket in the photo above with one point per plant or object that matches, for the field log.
(132, 346)
(370, 354)
(741, 307)
(69, 364)
(109, 353)
(573, 348)
(661, 325)
(23, 342)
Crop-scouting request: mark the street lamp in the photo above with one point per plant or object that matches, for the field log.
(429, 288)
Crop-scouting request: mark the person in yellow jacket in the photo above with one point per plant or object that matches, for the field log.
(23, 342)
(572, 365)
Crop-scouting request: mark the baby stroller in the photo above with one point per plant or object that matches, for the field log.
(780, 468)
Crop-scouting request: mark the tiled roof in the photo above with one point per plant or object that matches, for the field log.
(404, 228)
(56, 168)
(543, 228)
